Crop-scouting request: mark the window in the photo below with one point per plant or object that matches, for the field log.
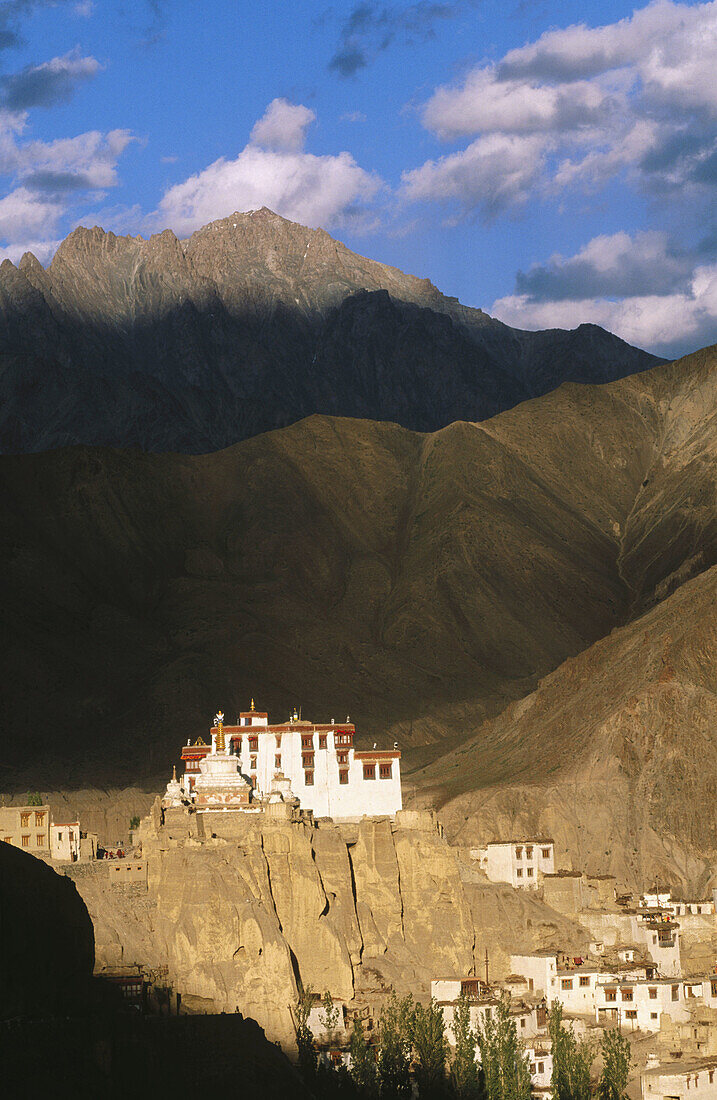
(277, 738)
(675, 993)
(529, 852)
(714, 988)
(322, 740)
(26, 841)
(307, 759)
(309, 777)
(653, 1015)
(59, 838)
(610, 994)
(566, 983)
(631, 1013)
(342, 757)
(369, 771)
(343, 775)
(39, 819)
(541, 1067)
(522, 1021)
(627, 994)
(254, 743)
(277, 761)
(7, 839)
(24, 820)
(712, 1074)
(546, 853)
(307, 741)
(343, 738)
(584, 980)
(41, 840)
(252, 762)
(519, 872)
(518, 853)
(530, 872)
(384, 771)
(653, 993)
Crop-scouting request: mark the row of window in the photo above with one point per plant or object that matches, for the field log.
(528, 872)
(627, 995)
(545, 852)
(369, 772)
(25, 819)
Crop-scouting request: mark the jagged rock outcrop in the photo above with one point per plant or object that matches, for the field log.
(238, 922)
(48, 949)
(251, 324)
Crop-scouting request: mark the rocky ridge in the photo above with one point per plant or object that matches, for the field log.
(352, 910)
(251, 324)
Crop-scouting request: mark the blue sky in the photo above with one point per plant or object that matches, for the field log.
(550, 162)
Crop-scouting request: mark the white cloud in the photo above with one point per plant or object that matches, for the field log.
(643, 288)
(635, 99)
(315, 190)
(282, 127)
(494, 172)
(24, 215)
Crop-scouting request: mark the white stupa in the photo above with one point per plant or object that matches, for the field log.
(220, 786)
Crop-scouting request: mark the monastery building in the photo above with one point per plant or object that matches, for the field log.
(316, 764)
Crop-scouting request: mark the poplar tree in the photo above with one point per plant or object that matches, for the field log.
(430, 1050)
(572, 1059)
(363, 1070)
(394, 1045)
(304, 1034)
(616, 1058)
(503, 1060)
(464, 1071)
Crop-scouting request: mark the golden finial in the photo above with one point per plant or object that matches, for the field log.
(174, 773)
(252, 705)
(220, 738)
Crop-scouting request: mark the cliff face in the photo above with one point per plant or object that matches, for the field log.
(251, 324)
(238, 922)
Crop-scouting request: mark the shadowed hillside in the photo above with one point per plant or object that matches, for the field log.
(614, 755)
(419, 582)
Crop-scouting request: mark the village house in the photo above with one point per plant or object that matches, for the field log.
(522, 863)
(26, 827)
(640, 1004)
(318, 765)
(692, 1080)
(539, 970)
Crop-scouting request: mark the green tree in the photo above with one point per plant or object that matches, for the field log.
(133, 823)
(430, 1050)
(616, 1059)
(394, 1048)
(305, 1036)
(34, 798)
(572, 1059)
(504, 1064)
(464, 1071)
(331, 1012)
(363, 1063)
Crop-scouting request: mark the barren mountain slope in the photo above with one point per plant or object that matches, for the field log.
(252, 324)
(614, 755)
(418, 582)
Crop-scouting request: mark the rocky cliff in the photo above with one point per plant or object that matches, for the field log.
(251, 324)
(237, 923)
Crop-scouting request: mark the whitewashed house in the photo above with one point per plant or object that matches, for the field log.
(522, 863)
(693, 1080)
